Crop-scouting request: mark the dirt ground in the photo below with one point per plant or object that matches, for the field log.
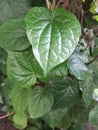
(5, 124)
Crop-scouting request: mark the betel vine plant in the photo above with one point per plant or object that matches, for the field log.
(49, 68)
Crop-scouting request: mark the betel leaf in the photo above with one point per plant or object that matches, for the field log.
(79, 112)
(13, 35)
(77, 67)
(19, 101)
(58, 71)
(54, 117)
(20, 121)
(52, 34)
(12, 9)
(66, 121)
(40, 102)
(20, 68)
(87, 88)
(77, 127)
(65, 92)
(93, 116)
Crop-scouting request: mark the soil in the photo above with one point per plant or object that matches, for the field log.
(5, 124)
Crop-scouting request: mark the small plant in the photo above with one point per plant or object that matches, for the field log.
(51, 66)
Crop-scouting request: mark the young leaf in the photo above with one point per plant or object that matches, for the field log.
(93, 116)
(20, 68)
(40, 102)
(12, 9)
(20, 121)
(19, 102)
(19, 99)
(54, 117)
(65, 92)
(77, 67)
(52, 34)
(13, 36)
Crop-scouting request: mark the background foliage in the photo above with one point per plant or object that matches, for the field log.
(49, 63)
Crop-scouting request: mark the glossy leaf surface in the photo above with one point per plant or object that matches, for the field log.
(20, 68)
(58, 71)
(77, 67)
(13, 35)
(40, 102)
(53, 35)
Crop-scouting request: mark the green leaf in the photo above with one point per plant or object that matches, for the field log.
(20, 121)
(1, 101)
(3, 59)
(52, 34)
(20, 68)
(77, 127)
(79, 112)
(19, 101)
(40, 102)
(13, 35)
(12, 9)
(77, 67)
(94, 72)
(6, 90)
(87, 88)
(93, 116)
(66, 121)
(58, 71)
(91, 22)
(54, 116)
(65, 91)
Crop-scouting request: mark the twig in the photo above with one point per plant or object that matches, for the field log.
(53, 5)
(60, 1)
(48, 4)
(7, 115)
(96, 57)
(65, 4)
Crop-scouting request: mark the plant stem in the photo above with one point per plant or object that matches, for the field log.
(95, 58)
(53, 5)
(7, 115)
(48, 4)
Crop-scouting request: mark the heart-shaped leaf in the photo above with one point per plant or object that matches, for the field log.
(52, 34)
(77, 67)
(19, 102)
(13, 35)
(40, 102)
(20, 68)
(65, 92)
(56, 115)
